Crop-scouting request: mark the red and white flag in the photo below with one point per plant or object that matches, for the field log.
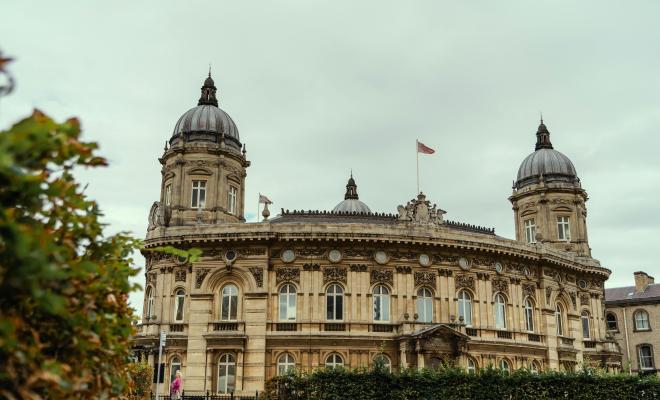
(422, 148)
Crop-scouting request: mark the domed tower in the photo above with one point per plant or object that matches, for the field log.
(548, 199)
(204, 168)
(351, 203)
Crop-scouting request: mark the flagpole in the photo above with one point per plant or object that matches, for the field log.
(258, 203)
(417, 152)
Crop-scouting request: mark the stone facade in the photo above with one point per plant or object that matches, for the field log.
(322, 288)
(633, 320)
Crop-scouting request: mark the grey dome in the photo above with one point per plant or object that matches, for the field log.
(351, 206)
(351, 203)
(207, 122)
(553, 165)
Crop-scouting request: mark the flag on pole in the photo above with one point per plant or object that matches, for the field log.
(422, 148)
(264, 200)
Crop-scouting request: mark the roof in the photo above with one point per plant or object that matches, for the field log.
(628, 295)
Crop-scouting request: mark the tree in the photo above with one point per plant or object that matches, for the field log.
(64, 315)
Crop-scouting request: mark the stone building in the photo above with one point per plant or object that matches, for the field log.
(350, 287)
(631, 317)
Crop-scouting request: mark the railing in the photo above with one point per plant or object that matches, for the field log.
(177, 328)
(532, 337)
(225, 326)
(504, 335)
(286, 327)
(589, 344)
(471, 332)
(564, 341)
(200, 395)
(334, 327)
(381, 328)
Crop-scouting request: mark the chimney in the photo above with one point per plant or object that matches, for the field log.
(642, 281)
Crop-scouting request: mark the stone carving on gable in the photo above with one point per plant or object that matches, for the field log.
(287, 274)
(483, 261)
(200, 275)
(500, 285)
(334, 274)
(464, 281)
(251, 251)
(382, 276)
(425, 279)
(396, 255)
(420, 211)
(529, 289)
(584, 299)
(180, 275)
(258, 274)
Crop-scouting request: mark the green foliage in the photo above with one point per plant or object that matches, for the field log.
(64, 315)
(141, 374)
(455, 384)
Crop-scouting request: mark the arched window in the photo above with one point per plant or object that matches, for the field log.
(383, 361)
(178, 305)
(586, 328)
(285, 364)
(334, 303)
(559, 320)
(381, 304)
(229, 303)
(534, 367)
(425, 305)
(334, 361)
(471, 366)
(500, 312)
(288, 303)
(226, 373)
(175, 365)
(642, 321)
(505, 365)
(645, 355)
(612, 324)
(150, 303)
(465, 307)
(529, 315)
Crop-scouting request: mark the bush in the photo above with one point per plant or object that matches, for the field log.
(455, 384)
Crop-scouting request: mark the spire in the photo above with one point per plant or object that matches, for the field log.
(208, 92)
(351, 189)
(543, 137)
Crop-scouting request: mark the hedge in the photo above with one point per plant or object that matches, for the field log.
(450, 384)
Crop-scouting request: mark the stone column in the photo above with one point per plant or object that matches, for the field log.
(403, 362)
(420, 355)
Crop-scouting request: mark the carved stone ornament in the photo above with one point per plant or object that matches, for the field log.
(180, 275)
(420, 211)
(311, 267)
(258, 274)
(334, 274)
(548, 294)
(159, 215)
(358, 253)
(403, 269)
(358, 267)
(287, 274)
(529, 289)
(500, 285)
(151, 279)
(251, 251)
(382, 276)
(464, 281)
(425, 279)
(311, 251)
(584, 299)
(573, 297)
(200, 275)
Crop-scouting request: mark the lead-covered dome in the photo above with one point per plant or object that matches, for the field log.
(207, 122)
(545, 162)
(351, 203)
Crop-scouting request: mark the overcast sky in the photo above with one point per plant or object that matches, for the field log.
(319, 87)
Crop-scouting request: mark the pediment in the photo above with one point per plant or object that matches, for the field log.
(199, 171)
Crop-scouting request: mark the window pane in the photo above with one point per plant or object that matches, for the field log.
(291, 315)
(179, 308)
(585, 327)
(194, 203)
(339, 312)
(331, 307)
(283, 307)
(225, 307)
(234, 307)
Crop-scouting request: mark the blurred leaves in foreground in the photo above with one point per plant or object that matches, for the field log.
(64, 315)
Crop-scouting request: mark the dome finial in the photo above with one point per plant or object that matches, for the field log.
(208, 92)
(543, 137)
(351, 189)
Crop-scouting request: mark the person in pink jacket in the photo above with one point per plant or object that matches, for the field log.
(176, 387)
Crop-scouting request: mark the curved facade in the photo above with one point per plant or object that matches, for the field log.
(309, 289)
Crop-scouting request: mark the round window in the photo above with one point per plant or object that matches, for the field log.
(230, 255)
(582, 284)
(381, 257)
(424, 260)
(527, 272)
(464, 263)
(498, 267)
(334, 255)
(288, 255)
(181, 260)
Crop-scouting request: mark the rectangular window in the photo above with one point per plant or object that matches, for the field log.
(530, 230)
(198, 194)
(645, 357)
(168, 195)
(231, 199)
(586, 334)
(563, 229)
